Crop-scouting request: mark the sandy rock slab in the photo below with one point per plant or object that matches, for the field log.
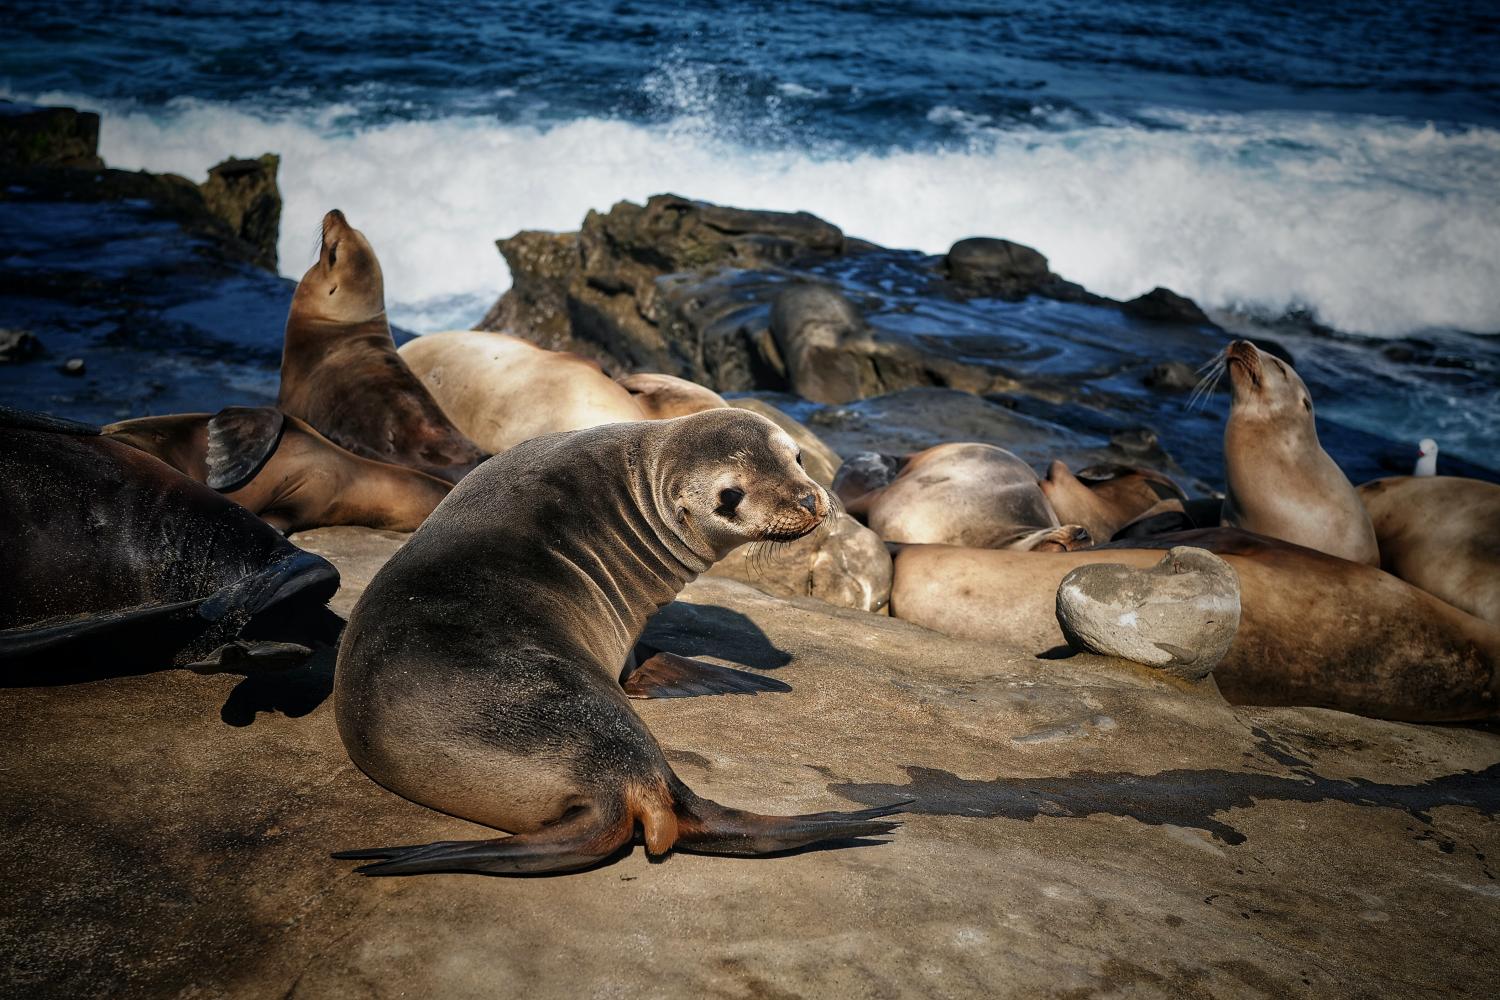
(1080, 829)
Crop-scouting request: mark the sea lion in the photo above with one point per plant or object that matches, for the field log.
(1440, 533)
(480, 671)
(1281, 481)
(662, 396)
(284, 471)
(502, 390)
(964, 494)
(820, 461)
(843, 563)
(115, 561)
(340, 371)
(1105, 498)
(1314, 629)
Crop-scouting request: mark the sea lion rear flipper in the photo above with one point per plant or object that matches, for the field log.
(241, 439)
(705, 827)
(667, 675)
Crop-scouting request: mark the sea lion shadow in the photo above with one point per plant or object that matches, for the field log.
(710, 630)
(294, 693)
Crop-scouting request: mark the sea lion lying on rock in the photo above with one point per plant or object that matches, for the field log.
(662, 397)
(1105, 498)
(284, 471)
(842, 563)
(1314, 629)
(340, 371)
(958, 494)
(112, 557)
(502, 390)
(1440, 533)
(495, 693)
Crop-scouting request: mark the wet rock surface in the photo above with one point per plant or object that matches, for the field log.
(1081, 828)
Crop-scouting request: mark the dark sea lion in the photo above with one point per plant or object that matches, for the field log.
(502, 390)
(1105, 498)
(283, 470)
(1314, 629)
(1281, 482)
(662, 397)
(340, 371)
(1440, 533)
(113, 558)
(964, 494)
(480, 671)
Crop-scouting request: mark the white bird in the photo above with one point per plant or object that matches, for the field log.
(1426, 458)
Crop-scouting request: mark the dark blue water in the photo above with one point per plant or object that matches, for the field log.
(1338, 163)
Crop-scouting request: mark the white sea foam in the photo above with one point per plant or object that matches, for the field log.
(1375, 225)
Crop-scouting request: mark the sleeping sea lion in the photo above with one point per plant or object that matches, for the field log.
(280, 468)
(1105, 498)
(480, 671)
(662, 397)
(115, 561)
(502, 390)
(1440, 533)
(340, 371)
(1314, 629)
(1281, 482)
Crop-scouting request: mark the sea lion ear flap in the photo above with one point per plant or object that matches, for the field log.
(241, 439)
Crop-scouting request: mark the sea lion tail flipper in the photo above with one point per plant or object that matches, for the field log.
(667, 675)
(241, 440)
(574, 843)
(706, 827)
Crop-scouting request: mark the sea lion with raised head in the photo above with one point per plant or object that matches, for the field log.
(502, 390)
(340, 371)
(959, 494)
(480, 671)
(1440, 533)
(1314, 629)
(1281, 483)
(282, 470)
(114, 561)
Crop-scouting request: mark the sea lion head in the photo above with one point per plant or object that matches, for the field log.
(345, 284)
(1265, 387)
(731, 477)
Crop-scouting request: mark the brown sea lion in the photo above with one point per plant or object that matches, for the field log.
(495, 695)
(1281, 482)
(1105, 498)
(1440, 533)
(1314, 629)
(114, 561)
(340, 371)
(963, 494)
(283, 470)
(820, 461)
(662, 397)
(502, 390)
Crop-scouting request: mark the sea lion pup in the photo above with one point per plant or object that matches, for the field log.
(1281, 482)
(282, 470)
(502, 390)
(1314, 629)
(114, 561)
(494, 694)
(662, 396)
(340, 371)
(961, 494)
(1105, 498)
(1440, 533)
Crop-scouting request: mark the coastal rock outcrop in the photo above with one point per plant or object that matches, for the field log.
(244, 194)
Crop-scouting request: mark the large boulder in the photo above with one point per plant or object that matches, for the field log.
(244, 194)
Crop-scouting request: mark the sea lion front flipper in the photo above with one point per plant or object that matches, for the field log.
(667, 675)
(251, 657)
(241, 440)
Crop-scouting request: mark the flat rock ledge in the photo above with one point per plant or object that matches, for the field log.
(1081, 828)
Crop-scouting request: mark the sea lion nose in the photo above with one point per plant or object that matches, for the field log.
(809, 503)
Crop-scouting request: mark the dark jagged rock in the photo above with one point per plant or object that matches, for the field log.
(1162, 305)
(244, 194)
(48, 137)
(1002, 268)
(18, 345)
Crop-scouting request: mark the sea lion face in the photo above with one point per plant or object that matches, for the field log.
(736, 478)
(345, 285)
(1265, 387)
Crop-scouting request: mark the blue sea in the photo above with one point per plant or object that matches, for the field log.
(1335, 164)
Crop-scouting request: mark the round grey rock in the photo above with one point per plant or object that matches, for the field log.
(1179, 615)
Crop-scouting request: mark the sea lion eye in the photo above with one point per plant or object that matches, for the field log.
(729, 499)
(333, 254)
(799, 459)
(1307, 404)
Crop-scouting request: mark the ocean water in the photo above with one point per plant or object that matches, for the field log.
(1336, 162)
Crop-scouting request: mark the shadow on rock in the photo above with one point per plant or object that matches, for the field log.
(709, 630)
(294, 693)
